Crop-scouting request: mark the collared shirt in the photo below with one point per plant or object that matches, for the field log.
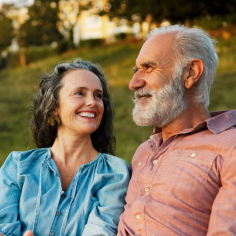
(31, 196)
(186, 185)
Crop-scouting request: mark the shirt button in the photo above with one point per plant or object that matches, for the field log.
(155, 162)
(58, 213)
(51, 233)
(146, 189)
(193, 154)
(139, 163)
(138, 217)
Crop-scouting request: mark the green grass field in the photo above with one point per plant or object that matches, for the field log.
(17, 85)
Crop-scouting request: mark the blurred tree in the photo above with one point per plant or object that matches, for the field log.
(175, 11)
(41, 27)
(6, 32)
(69, 13)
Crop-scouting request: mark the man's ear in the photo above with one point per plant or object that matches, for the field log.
(194, 72)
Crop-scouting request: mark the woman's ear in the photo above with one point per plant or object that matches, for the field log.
(193, 73)
(54, 112)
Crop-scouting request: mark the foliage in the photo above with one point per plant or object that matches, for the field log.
(120, 36)
(69, 15)
(41, 27)
(175, 11)
(6, 32)
(92, 42)
(32, 54)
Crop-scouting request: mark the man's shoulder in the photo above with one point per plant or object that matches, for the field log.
(142, 153)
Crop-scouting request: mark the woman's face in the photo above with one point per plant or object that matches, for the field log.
(80, 102)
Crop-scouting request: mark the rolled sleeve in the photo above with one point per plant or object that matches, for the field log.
(223, 215)
(9, 197)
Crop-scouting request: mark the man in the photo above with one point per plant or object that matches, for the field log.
(184, 177)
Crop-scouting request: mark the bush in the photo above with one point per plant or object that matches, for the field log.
(121, 36)
(62, 46)
(32, 54)
(91, 42)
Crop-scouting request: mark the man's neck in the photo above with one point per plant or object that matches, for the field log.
(188, 119)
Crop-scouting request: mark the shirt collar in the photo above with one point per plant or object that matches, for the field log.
(48, 155)
(219, 122)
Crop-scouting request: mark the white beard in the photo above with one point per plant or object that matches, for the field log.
(163, 106)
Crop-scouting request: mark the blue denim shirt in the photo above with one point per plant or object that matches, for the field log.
(31, 196)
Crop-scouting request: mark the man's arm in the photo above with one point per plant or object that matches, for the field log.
(223, 215)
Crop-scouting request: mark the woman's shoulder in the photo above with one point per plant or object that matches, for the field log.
(27, 157)
(117, 164)
(109, 169)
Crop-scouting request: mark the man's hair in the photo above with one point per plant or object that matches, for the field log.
(193, 43)
(47, 98)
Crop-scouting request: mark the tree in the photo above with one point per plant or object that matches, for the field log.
(41, 27)
(69, 13)
(175, 11)
(6, 32)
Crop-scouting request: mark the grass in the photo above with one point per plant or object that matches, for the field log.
(17, 84)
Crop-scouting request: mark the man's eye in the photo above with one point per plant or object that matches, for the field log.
(149, 68)
(79, 93)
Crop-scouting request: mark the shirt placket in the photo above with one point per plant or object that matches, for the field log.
(145, 182)
(70, 199)
(46, 166)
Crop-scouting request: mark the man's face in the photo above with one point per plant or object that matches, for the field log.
(154, 65)
(160, 94)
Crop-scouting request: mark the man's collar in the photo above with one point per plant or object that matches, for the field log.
(219, 122)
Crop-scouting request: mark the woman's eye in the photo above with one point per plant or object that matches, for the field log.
(99, 95)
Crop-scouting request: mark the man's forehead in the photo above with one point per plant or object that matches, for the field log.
(156, 48)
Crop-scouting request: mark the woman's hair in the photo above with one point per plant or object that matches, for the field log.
(46, 100)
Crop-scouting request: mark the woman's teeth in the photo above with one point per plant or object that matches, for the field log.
(86, 114)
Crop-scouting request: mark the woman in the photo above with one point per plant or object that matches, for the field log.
(69, 186)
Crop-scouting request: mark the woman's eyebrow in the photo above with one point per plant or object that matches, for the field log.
(85, 88)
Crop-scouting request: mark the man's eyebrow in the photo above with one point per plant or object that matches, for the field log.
(149, 63)
(145, 64)
(135, 69)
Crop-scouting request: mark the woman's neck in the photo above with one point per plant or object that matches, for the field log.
(69, 149)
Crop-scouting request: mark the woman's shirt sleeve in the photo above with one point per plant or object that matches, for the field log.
(104, 218)
(9, 197)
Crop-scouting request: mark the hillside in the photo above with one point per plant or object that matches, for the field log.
(17, 85)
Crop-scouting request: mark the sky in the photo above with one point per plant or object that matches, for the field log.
(18, 2)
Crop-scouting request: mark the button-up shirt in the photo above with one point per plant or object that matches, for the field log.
(186, 185)
(31, 196)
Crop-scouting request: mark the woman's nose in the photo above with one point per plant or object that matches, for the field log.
(90, 101)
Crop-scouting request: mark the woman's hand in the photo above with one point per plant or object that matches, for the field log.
(28, 233)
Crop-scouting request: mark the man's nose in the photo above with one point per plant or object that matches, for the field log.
(136, 82)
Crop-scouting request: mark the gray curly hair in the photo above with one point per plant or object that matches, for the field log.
(46, 100)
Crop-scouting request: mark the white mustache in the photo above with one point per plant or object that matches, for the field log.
(142, 92)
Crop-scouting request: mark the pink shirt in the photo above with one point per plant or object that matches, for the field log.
(186, 185)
